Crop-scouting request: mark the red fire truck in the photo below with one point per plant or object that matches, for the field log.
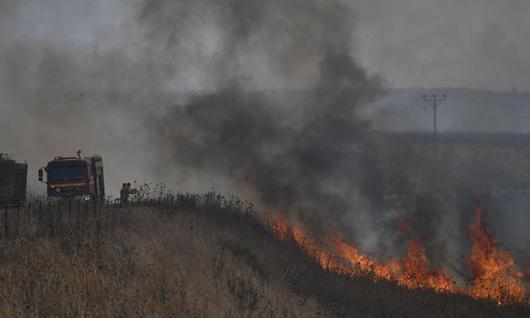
(75, 177)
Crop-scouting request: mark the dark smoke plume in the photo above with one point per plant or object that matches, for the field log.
(303, 151)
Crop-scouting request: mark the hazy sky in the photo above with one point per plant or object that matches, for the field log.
(453, 43)
(474, 43)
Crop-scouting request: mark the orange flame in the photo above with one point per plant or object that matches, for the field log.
(412, 272)
(285, 233)
(416, 272)
(363, 265)
(494, 273)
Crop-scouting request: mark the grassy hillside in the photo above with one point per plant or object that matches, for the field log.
(195, 256)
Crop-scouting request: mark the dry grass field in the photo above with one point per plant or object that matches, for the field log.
(197, 256)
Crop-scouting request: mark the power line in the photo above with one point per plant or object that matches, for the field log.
(435, 101)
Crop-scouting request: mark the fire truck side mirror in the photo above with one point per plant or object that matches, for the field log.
(41, 173)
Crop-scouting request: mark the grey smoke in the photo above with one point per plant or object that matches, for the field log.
(60, 93)
(301, 150)
(304, 153)
(260, 98)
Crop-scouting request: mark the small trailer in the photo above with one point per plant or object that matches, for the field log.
(13, 181)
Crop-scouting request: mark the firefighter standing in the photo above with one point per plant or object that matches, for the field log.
(124, 194)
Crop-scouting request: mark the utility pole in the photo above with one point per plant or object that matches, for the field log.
(435, 101)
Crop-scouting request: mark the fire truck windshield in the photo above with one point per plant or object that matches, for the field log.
(67, 171)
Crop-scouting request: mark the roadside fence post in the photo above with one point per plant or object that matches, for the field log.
(18, 221)
(6, 226)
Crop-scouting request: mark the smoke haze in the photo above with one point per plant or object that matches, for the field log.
(253, 97)
(469, 43)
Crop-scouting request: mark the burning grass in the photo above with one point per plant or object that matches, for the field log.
(495, 275)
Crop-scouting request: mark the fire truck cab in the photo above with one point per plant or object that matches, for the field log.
(75, 177)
